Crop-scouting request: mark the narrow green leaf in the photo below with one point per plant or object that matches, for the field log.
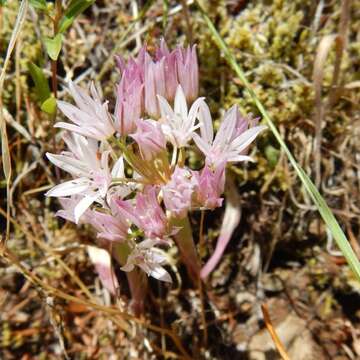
(53, 46)
(318, 200)
(49, 105)
(42, 89)
(75, 8)
(165, 13)
(144, 10)
(38, 4)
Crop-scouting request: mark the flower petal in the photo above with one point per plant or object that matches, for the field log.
(74, 114)
(69, 188)
(71, 165)
(165, 109)
(246, 138)
(118, 170)
(180, 105)
(159, 273)
(239, 158)
(83, 130)
(206, 129)
(83, 205)
(227, 128)
(230, 222)
(203, 146)
(102, 261)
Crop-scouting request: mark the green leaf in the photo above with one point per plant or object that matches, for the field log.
(49, 105)
(42, 89)
(53, 46)
(315, 195)
(144, 10)
(272, 155)
(38, 4)
(165, 13)
(75, 8)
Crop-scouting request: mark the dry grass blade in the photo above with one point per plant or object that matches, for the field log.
(322, 53)
(318, 76)
(15, 33)
(340, 48)
(279, 346)
(6, 158)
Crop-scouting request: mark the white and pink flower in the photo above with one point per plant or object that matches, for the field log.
(150, 138)
(145, 78)
(232, 140)
(178, 124)
(90, 116)
(210, 187)
(89, 168)
(178, 192)
(149, 258)
(138, 205)
(145, 212)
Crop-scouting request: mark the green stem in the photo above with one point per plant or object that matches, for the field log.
(185, 242)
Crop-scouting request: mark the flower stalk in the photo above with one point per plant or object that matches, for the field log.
(185, 242)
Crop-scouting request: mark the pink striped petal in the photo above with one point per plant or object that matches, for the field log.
(102, 261)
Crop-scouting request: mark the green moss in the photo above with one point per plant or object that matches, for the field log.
(5, 334)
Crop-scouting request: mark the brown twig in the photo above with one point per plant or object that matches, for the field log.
(186, 12)
(279, 346)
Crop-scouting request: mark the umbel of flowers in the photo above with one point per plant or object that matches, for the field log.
(130, 179)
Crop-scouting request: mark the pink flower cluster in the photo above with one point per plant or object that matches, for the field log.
(130, 179)
(144, 79)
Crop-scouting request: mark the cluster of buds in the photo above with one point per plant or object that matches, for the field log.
(130, 177)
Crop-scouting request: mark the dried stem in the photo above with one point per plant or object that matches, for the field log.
(186, 12)
(5, 151)
(279, 346)
(185, 242)
(340, 48)
(322, 53)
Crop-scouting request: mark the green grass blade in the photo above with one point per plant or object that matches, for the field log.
(319, 201)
